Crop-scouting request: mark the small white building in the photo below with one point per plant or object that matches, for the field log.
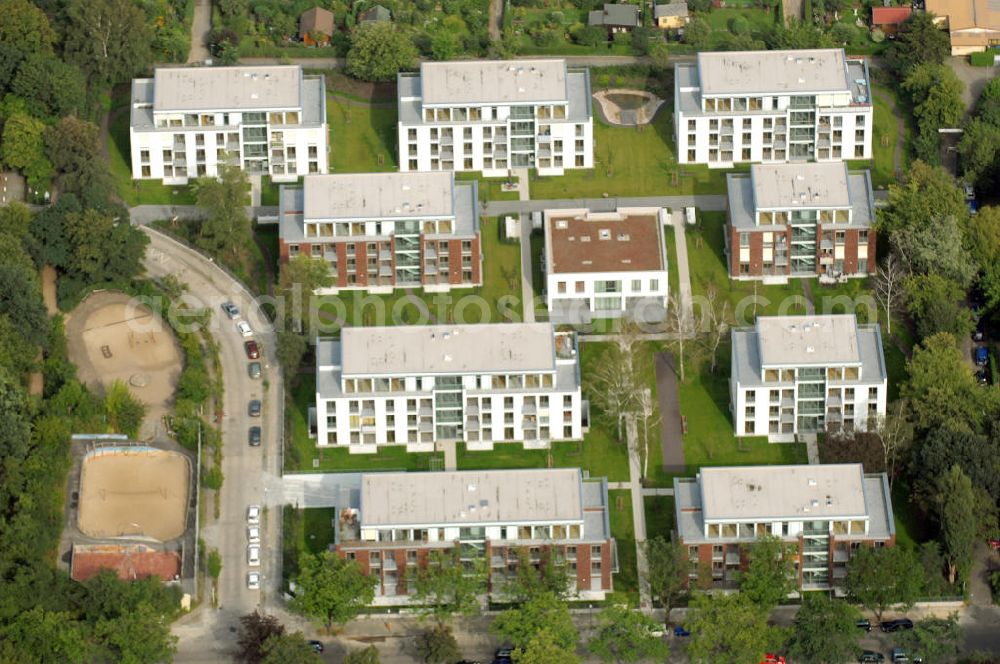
(806, 374)
(605, 264)
(268, 120)
(772, 106)
(481, 384)
(494, 116)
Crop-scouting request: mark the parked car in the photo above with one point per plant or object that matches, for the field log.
(253, 581)
(982, 356)
(253, 555)
(994, 544)
(864, 624)
(254, 436)
(970, 192)
(680, 631)
(253, 534)
(316, 645)
(983, 377)
(871, 657)
(252, 349)
(244, 328)
(771, 658)
(253, 408)
(253, 515)
(899, 656)
(231, 310)
(503, 656)
(253, 369)
(897, 625)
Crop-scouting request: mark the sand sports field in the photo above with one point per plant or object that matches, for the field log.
(111, 337)
(134, 491)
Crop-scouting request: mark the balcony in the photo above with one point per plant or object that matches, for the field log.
(529, 409)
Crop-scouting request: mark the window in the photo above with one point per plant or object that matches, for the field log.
(863, 237)
(580, 287)
(654, 285)
(873, 393)
(692, 125)
(863, 265)
(144, 156)
(744, 239)
(636, 285)
(691, 155)
(561, 287)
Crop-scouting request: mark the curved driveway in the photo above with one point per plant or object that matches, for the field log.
(249, 472)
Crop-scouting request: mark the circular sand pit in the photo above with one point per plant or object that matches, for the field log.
(134, 492)
(628, 108)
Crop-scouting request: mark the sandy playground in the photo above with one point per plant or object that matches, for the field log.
(135, 491)
(112, 338)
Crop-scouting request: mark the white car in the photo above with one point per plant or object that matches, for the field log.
(253, 515)
(253, 535)
(253, 555)
(253, 581)
(244, 329)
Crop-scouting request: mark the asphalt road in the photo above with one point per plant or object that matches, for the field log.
(249, 471)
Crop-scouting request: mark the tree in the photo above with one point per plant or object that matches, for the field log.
(444, 45)
(680, 324)
(379, 51)
(937, 639)
(551, 575)
(49, 86)
(888, 287)
(615, 385)
(937, 304)
(298, 279)
(367, 655)
(624, 635)
(941, 389)
(716, 320)
(437, 645)
(964, 515)
(824, 631)
(103, 247)
(44, 637)
(543, 649)
(74, 149)
(288, 649)
(21, 300)
(137, 636)
(771, 574)
(125, 412)
(224, 199)
(726, 629)
(895, 434)
(879, 578)
(444, 587)
(977, 151)
(589, 35)
(23, 149)
(668, 569)
(918, 41)
(255, 629)
(936, 94)
(331, 589)
(976, 454)
(983, 243)
(109, 39)
(25, 28)
(543, 611)
(291, 346)
(698, 32)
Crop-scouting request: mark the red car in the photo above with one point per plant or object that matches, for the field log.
(771, 658)
(994, 544)
(253, 351)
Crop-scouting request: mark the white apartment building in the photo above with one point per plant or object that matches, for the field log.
(495, 115)
(772, 106)
(380, 231)
(795, 375)
(186, 121)
(481, 384)
(605, 264)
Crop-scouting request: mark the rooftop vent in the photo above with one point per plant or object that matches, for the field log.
(604, 234)
(815, 503)
(584, 238)
(623, 237)
(562, 223)
(810, 349)
(812, 482)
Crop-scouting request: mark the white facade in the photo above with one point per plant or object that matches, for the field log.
(474, 383)
(806, 374)
(772, 106)
(604, 265)
(185, 122)
(494, 116)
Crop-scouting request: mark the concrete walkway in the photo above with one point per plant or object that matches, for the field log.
(201, 25)
(807, 291)
(683, 271)
(671, 428)
(638, 514)
(711, 202)
(449, 447)
(657, 492)
(527, 287)
(812, 448)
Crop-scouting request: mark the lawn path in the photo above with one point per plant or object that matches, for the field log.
(201, 25)
(897, 155)
(638, 514)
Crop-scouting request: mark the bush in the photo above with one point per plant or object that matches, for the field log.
(984, 59)
(214, 563)
(589, 35)
(212, 478)
(738, 25)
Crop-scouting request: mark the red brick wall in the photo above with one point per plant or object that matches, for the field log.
(454, 262)
(477, 261)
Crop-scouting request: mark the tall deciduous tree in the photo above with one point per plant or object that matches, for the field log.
(918, 41)
(125, 412)
(379, 51)
(937, 639)
(551, 575)
(964, 514)
(226, 227)
(255, 629)
(888, 287)
(437, 645)
(668, 569)
(543, 611)
(445, 588)
(615, 384)
(25, 28)
(137, 636)
(824, 631)
(543, 648)
(941, 389)
(771, 574)
(884, 577)
(728, 629)
(49, 86)
(624, 635)
(331, 589)
(289, 649)
(937, 304)
(45, 637)
(73, 147)
(108, 39)
(298, 279)
(24, 150)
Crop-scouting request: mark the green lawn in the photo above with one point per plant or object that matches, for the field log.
(362, 136)
(537, 254)
(317, 529)
(911, 526)
(659, 516)
(632, 161)
(598, 454)
(673, 279)
(490, 189)
(882, 165)
(760, 20)
(137, 192)
(623, 530)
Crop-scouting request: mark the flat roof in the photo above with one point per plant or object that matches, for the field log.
(806, 186)
(773, 72)
(379, 195)
(808, 340)
(782, 492)
(448, 349)
(493, 82)
(471, 497)
(223, 88)
(584, 241)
